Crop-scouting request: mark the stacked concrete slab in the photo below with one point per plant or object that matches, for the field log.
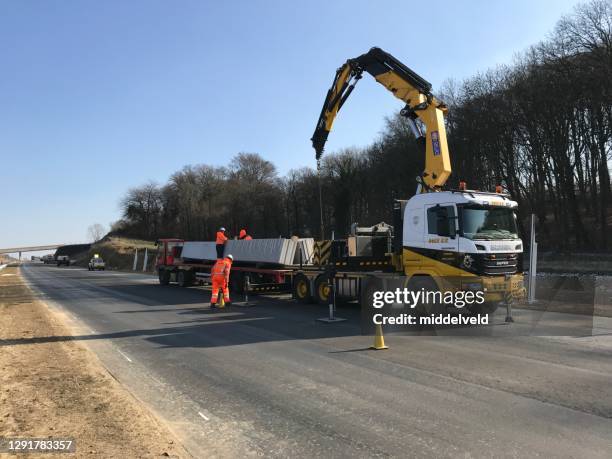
(268, 251)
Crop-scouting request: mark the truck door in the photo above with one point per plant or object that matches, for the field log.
(441, 230)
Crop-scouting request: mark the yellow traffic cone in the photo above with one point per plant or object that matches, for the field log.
(379, 339)
(222, 302)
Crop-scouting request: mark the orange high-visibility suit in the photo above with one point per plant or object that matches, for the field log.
(244, 236)
(220, 243)
(219, 275)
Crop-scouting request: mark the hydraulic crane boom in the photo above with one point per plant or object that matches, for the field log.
(406, 85)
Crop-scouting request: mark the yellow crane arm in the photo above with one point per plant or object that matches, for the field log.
(406, 85)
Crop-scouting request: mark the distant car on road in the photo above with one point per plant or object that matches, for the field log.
(96, 264)
(48, 259)
(62, 260)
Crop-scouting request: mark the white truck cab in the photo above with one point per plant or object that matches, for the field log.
(462, 233)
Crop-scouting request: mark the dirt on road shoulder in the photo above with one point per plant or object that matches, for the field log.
(57, 388)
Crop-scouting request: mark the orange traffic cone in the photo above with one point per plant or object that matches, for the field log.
(379, 339)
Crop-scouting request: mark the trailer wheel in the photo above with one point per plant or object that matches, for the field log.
(183, 278)
(322, 289)
(164, 277)
(236, 283)
(301, 289)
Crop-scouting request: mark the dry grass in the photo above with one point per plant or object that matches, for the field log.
(52, 387)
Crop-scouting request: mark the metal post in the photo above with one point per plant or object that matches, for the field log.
(146, 258)
(247, 285)
(332, 298)
(332, 302)
(508, 299)
(135, 260)
(533, 263)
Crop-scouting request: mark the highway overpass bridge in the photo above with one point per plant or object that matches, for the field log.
(37, 248)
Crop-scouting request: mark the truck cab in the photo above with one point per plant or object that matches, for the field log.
(168, 251)
(463, 237)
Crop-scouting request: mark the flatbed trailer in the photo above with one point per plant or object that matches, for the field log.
(341, 268)
(307, 282)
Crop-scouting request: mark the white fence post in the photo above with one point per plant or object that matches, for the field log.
(533, 262)
(146, 258)
(135, 260)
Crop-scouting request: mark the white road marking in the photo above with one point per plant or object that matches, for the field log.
(203, 416)
(125, 356)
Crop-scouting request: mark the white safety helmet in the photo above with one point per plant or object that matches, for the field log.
(222, 229)
(230, 256)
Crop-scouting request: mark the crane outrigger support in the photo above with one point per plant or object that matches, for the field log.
(406, 85)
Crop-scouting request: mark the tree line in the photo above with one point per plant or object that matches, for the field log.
(541, 127)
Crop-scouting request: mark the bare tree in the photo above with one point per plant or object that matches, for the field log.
(96, 232)
(541, 127)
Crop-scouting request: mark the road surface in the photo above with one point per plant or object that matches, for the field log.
(270, 380)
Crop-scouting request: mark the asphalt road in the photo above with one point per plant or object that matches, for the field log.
(269, 380)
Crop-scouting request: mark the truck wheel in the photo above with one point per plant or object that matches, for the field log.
(369, 285)
(184, 278)
(426, 284)
(322, 289)
(164, 277)
(301, 289)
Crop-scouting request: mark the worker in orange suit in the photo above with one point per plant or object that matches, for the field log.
(219, 275)
(244, 236)
(220, 242)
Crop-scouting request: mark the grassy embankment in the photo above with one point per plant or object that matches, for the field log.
(118, 253)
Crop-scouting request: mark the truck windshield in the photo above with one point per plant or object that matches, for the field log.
(487, 223)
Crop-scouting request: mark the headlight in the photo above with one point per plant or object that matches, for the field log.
(519, 247)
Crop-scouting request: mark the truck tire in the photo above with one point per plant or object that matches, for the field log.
(183, 279)
(301, 289)
(427, 284)
(164, 277)
(322, 289)
(369, 285)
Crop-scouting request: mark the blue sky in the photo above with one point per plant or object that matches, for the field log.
(97, 97)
